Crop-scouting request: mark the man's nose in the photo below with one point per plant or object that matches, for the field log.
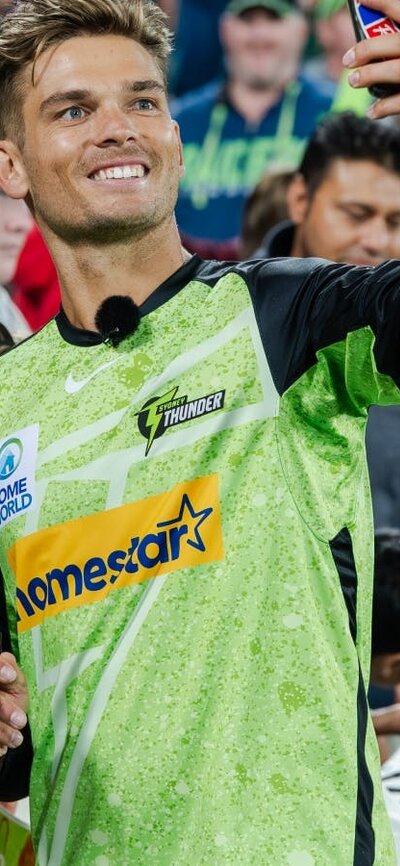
(114, 126)
(375, 236)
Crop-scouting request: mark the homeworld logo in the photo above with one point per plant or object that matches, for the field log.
(161, 413)
(15, 497)
(10, 458)
(116, 549)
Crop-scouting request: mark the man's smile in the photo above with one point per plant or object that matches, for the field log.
(119, 172)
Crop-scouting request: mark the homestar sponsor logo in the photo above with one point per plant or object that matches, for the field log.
(82, 561)
(17, 473)
(161, 413)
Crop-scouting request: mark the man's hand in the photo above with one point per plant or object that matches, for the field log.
(377, 61)
(13, 703)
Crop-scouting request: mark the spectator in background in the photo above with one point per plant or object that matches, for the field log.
(36, 286)
(6, 340)
(15, 223)
(344, 200)
(265, 207)
(26, 268)
(260, 117)
(197, 58)
(385, 665)
(171, 9)
(334, 33)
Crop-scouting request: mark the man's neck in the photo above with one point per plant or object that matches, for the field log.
(88, 274)
(252, 104)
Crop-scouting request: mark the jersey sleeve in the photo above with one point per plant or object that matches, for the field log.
(304, 306)
(331, 338)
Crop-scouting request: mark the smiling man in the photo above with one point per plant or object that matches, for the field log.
(184, 511)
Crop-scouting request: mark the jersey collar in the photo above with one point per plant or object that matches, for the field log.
(164, 292)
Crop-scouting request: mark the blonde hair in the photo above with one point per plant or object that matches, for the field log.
(30, 27)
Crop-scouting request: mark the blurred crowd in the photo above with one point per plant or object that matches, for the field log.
(280, 160)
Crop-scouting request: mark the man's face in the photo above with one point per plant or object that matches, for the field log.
(353, 216)
(101, 154)
(15, 223)
(335, 35)
(385, 669)
(262, 50)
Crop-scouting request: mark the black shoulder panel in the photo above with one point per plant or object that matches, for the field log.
(304, 305)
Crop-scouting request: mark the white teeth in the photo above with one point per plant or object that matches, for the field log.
(123, 172)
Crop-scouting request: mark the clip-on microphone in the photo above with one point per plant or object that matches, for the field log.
(117, 317)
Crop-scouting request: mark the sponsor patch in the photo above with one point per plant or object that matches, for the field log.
(82, 561)
(18, 454)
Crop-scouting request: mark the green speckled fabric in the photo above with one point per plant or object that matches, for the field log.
(202, 712)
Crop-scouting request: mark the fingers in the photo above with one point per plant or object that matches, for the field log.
(371, 50)
(13, 703)
(12, 679)
(388, 107)
(377, 62)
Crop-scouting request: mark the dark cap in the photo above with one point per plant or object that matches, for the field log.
(280, 7)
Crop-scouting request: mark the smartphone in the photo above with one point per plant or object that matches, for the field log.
(367, 24)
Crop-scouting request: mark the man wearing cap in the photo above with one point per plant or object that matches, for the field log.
(261, 115)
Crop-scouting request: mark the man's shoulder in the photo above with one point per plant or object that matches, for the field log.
(261, 272)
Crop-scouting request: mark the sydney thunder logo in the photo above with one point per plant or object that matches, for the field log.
(160, 413)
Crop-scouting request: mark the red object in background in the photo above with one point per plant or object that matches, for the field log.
(36, 289)
(209, 249)
(27, 856)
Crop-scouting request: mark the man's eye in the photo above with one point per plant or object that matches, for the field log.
(144, 104)
(73, 113)
(357, 216)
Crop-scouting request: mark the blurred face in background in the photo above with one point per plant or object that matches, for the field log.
(353, 216)
(335, 36)
(15, 223)
(262, 50)
(385, 669)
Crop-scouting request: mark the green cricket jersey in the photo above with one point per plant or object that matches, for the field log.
(185, 541)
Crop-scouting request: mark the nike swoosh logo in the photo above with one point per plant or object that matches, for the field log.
(72, 387)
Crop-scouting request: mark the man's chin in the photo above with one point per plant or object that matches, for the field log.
(259, 83)
(102, 230)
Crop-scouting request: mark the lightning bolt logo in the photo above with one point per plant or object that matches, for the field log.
(161, 413)
(151, 417)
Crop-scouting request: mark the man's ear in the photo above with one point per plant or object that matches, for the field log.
(297, 199)
(13, 178)
(180, 149)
